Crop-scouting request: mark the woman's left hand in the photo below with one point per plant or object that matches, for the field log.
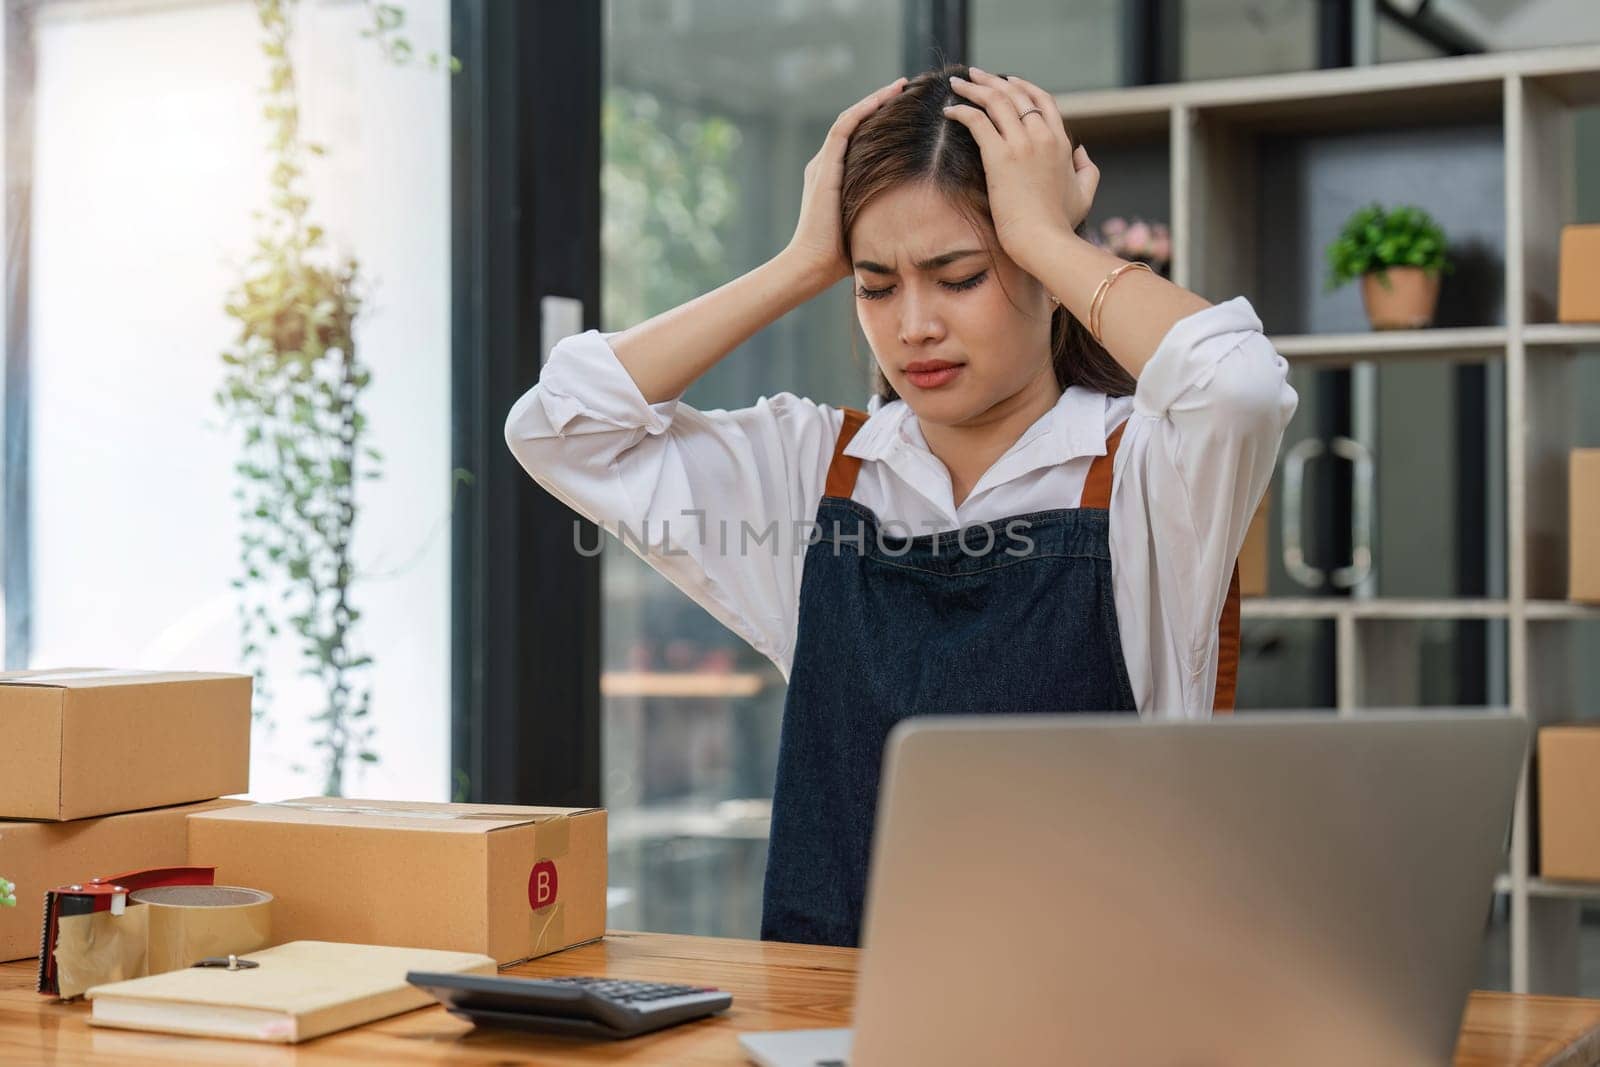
(1040, 185)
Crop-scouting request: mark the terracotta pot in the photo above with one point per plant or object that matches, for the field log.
(1407, 303)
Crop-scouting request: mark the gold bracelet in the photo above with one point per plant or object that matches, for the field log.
(1100, 295)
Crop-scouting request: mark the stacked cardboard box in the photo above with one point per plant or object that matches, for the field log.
(1255, 555)
(1583, 512)
(1569, 801)
(100, 769)
(1578, 291)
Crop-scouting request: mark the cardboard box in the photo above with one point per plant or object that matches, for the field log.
(91, 741)
(1253, 556)
(510, 882)
(1569, 801)
(1579, 296)
(38, 856)
(1583, 508)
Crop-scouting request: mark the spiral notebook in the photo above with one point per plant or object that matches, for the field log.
(297, 991)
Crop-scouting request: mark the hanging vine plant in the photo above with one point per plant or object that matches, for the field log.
(293, 388)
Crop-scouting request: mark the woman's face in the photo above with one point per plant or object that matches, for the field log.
(950, 312)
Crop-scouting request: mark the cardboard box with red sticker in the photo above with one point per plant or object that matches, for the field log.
(510, 882)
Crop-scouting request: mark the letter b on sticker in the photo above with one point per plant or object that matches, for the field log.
(542, 884)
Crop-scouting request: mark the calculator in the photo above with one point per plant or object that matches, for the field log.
(591, 1007)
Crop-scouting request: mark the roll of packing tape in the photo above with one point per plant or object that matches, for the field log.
(187, 923)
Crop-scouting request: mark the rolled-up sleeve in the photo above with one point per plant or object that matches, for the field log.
(708, 498)
(584, 388)
(1210, 410)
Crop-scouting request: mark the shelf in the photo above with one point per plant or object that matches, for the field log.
(1376, 608)
(1551, 888)
(1561, 335)
(681, 684)
(1385, 94)
(1556, 610)
(1262, 169)
(1406, 608)
(1468, 344)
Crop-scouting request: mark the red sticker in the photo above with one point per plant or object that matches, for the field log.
(542, 885)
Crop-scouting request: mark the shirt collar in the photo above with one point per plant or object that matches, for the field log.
(1075, 427)
(879, 433)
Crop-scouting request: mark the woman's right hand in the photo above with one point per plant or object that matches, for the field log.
(817, 247)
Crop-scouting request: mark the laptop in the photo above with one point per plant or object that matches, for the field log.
(1257, 890)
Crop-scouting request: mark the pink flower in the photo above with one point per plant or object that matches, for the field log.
(1161, 244)
(718, 661)
(1113, 226)
(1137, 240)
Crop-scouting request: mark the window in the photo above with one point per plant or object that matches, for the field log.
(149, 153)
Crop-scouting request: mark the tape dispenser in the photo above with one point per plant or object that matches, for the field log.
(97, 895)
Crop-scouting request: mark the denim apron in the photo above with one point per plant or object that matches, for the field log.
(1014, 615)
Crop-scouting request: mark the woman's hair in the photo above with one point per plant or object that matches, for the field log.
(910, 141)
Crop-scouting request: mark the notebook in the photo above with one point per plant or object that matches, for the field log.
(300, 990)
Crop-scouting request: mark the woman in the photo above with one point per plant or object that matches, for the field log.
(1024, 519)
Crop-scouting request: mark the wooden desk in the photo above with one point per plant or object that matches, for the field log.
(774, 987)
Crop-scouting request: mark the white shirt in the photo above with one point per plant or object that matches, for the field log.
(676, 483)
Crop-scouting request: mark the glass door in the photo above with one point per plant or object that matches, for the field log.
(711, 110)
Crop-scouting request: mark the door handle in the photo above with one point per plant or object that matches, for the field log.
(1360, 565)
(1294, 479)
(1294, 476)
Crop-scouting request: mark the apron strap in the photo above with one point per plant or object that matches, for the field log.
(1097, 489)
(842, 470)
(1097, 494)
(1228, 650)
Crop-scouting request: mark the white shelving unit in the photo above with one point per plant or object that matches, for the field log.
(1211, 133)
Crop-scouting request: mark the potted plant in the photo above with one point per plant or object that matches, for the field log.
(293, 389)
(1145, 242)
(1399, 255)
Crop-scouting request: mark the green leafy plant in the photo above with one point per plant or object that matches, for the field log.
(671, 203)
(8, 894)
(293, 388)
(387, 22)
(1374, 239)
